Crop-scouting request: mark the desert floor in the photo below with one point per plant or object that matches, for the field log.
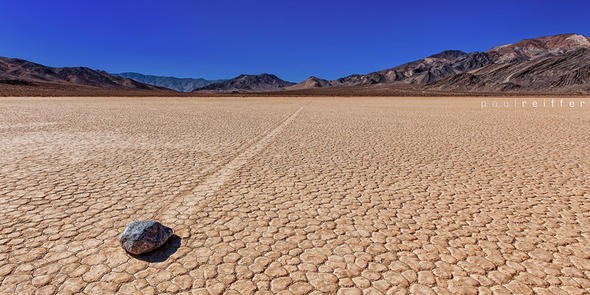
(295, 195)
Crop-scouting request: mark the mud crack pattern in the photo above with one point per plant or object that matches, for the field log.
(342, 196)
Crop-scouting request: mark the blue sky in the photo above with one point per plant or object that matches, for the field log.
(293, 39)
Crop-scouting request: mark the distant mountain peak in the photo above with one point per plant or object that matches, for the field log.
(449, 54)
(257, 76)
(579, 40)
(249, 83)
(310, 83)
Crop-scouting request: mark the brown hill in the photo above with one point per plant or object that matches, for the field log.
(310, 83)
(21, 76)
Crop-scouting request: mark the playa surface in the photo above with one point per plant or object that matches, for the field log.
(295, 195)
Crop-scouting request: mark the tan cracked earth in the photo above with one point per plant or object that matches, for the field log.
(294, 196)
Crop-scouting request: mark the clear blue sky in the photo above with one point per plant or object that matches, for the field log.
(293, 39)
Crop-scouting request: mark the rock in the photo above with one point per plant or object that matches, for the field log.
(144, 236)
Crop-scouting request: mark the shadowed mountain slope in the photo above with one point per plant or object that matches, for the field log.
(178, 84)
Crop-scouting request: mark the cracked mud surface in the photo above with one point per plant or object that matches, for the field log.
(294, 196)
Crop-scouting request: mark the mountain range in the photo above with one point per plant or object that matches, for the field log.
(549, 64)
(552, 64)
(178, 84)
(21, 77)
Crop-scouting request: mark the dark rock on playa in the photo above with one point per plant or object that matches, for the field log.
(144, 236)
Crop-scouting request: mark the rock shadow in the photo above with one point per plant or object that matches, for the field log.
(163, 253)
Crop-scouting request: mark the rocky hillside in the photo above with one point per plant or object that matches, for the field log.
(568, 72)
(423, 71)
(534, 48)
(549, 64)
